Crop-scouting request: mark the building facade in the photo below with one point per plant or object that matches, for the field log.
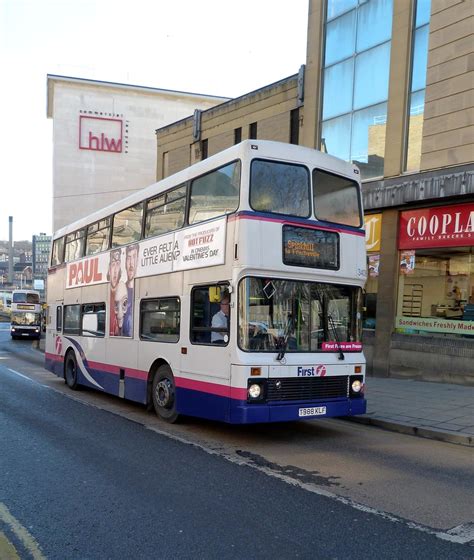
(41, 247)
(387, 84)
(103, 140)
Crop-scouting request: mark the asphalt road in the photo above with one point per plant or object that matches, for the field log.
(89, 476)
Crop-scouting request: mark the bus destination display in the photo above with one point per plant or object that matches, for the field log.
(310, 247)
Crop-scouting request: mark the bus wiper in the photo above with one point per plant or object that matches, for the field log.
(331, 324)
(336, 336)
(286, 336)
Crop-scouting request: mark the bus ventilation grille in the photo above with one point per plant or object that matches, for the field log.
(307, 388)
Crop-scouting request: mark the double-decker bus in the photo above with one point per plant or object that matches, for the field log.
(26, 314)
(230, 291)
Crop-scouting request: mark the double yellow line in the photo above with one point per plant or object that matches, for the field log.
(7, 549)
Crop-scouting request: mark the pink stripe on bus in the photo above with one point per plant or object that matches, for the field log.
(294, 223)
(211, 388)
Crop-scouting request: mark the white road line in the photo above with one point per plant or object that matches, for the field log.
(29, 542)
(21, 375)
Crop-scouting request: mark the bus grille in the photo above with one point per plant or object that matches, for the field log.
(307, 388)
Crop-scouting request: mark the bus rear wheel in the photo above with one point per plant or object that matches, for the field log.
(164, 394)
(70, 371)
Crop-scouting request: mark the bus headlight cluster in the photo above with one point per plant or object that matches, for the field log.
(356, 386)
(255, 391)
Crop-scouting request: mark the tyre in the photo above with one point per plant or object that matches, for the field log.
(70, 371)
(164, 394)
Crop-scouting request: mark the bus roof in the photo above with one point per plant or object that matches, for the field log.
(247, 148)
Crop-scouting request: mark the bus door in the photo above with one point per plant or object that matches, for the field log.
(206, 364)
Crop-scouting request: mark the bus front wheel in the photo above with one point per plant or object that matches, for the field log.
(164, 394)
(70, 371)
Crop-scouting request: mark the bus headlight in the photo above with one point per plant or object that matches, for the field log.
(255, 391)
(356, 386)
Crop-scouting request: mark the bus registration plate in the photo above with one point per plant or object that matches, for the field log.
(313, 411)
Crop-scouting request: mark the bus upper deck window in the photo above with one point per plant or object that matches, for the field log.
(336, 199)
(280, 188)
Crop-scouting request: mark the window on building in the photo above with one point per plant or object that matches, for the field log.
(253, 131)
(204, 149)
(165, 212)
(210, 315)
(418, 84)
(98, 236)
(270, 183)
(74, 247)
(237, 135)
(436, 292)
(127, 226)
(215, 194)
(160, 319)
(295, 126)
(356, 76)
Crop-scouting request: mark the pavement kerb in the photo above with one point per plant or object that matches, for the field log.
(440, 435)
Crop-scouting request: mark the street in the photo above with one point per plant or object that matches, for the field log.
(87, 475)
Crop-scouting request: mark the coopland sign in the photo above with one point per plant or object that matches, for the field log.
(443, 226)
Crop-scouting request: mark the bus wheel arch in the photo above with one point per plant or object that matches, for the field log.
(71, 370)
(162, 391)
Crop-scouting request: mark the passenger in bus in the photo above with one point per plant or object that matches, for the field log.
(220, 320)
(113, 276)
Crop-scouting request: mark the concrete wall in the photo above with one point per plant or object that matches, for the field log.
(85, 180)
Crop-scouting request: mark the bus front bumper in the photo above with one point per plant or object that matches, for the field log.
(245, 413)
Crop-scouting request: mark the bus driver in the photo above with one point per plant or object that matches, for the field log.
(220, 320)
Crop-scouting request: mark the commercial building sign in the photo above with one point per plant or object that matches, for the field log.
(373, 229)
(100, 134)
(431, 324)
(442, 226)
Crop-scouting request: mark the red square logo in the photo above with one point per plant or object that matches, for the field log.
(100, 134)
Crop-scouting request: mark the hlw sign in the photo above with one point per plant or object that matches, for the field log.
(100, 134)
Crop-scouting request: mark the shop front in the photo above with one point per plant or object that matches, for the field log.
(436, 271)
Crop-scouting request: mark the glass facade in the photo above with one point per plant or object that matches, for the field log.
(418, 84)
(356, 77)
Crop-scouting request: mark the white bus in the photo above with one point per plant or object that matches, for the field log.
(26, 314)
(230, 290)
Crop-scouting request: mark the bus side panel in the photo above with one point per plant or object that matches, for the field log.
(204, 405)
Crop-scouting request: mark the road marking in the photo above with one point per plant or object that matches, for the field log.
(21, 532)
(7, 550)
(21, 375)
(454, 535)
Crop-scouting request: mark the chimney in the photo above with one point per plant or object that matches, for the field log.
(10, 250)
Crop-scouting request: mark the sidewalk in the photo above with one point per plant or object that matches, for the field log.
(433, 410)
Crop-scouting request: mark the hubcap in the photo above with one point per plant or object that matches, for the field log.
(164, 393)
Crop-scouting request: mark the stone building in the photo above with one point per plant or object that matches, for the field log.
(103, 139)
(387, 84)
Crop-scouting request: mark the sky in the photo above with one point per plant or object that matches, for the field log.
(216, 47)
